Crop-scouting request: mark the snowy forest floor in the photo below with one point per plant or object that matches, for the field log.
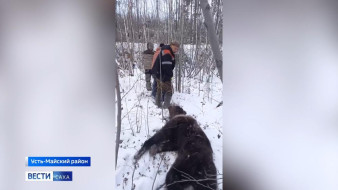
(141, 119)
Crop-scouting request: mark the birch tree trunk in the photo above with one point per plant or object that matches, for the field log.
(180, 61)
(117, 86)
(118, 131)
(212, 36)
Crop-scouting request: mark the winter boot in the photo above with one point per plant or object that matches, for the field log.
(165, 115)
(167, 99)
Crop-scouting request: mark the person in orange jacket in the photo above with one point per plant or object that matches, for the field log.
(163, 68)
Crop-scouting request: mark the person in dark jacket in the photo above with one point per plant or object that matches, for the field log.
(147, 63)
(154, 87)
(163, 70)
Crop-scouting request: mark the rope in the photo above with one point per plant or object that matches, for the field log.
(161, 81)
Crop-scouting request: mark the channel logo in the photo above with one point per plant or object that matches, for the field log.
(62, 176)
(49, 176)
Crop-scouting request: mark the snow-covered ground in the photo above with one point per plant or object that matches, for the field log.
(141, 119)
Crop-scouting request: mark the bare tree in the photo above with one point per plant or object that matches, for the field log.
(119, 109)
(212, 36)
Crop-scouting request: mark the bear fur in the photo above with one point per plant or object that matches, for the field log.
(194, 167)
